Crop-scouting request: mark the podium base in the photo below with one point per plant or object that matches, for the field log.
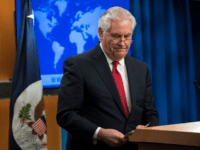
(154, 146)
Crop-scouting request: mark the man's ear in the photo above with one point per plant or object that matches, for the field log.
(100, 32)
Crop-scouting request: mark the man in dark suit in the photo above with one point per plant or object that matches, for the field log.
(105, 93)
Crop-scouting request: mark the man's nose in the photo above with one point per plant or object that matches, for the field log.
(122, 41)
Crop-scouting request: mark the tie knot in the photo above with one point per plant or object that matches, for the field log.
(115, 63)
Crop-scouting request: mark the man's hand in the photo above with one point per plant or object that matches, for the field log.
(111, 137)
(141, 127)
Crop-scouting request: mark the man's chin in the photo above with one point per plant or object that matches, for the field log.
(120, 55)
(120, 50)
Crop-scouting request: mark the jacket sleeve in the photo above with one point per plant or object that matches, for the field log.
(149, 114)
(70, 101)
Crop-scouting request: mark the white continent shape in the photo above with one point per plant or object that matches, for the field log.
(45, 25)
(62, 5)
(58, 50)
(88, 25)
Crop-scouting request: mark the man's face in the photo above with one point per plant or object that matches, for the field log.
(117, 40)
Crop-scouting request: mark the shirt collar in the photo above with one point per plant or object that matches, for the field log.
(121, 62)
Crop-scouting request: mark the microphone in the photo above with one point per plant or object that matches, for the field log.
(195, 82)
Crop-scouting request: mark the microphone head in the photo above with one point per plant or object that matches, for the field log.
(195, 82)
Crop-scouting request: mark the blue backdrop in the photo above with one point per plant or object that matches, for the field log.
(195, 20)
(163, 39)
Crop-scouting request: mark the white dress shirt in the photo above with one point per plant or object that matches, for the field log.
(121, 67)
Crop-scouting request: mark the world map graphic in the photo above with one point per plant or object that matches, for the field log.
(65, 28)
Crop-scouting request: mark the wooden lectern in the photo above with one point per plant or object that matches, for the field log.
(184, 136)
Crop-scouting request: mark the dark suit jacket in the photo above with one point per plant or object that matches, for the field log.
(88, 98)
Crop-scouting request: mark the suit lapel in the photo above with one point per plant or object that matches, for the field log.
(102, 67)
(132, 79)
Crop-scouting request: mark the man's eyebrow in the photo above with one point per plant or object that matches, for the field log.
(116, 34)
(128, 34)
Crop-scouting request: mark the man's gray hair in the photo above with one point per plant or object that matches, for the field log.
(115, 13)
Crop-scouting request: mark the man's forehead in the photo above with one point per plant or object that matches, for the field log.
(121, 26)
(126, 22)
(119, 34)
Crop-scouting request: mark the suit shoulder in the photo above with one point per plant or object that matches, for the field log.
(80, 57)
(137, 62)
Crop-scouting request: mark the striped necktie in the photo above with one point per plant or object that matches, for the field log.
(118, 80)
